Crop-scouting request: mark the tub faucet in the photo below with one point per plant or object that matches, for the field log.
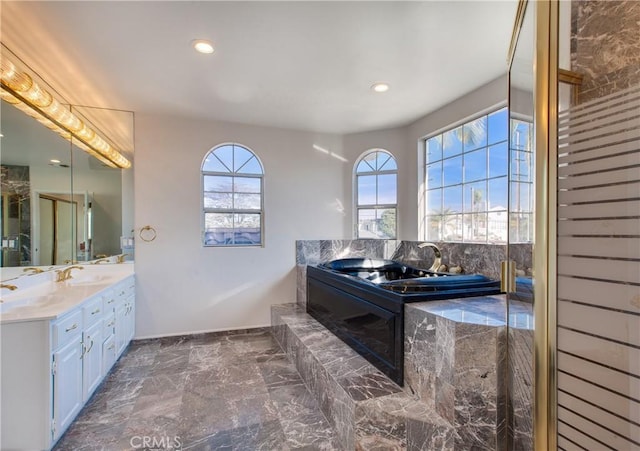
(65, 274)
(438, 261)
(101, 260)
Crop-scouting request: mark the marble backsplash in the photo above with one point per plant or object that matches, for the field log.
(473, 258)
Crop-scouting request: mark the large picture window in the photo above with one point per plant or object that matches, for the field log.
(376, 179)
(466, 181)
(232, 200)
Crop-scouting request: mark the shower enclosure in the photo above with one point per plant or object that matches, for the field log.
(574, 371)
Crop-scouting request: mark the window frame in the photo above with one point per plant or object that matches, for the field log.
(358, 207)
(233, 174)
(424, 223)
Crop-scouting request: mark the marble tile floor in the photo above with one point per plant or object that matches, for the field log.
(233, 391)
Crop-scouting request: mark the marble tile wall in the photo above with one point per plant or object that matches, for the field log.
(455, 357)
(14, 181)
(605, 46)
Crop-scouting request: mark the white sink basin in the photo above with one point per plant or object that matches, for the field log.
(87, 279)
(28, 301)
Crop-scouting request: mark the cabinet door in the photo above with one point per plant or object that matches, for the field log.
(108, 354)
(121, 327)
(131, 319)
(92, 359)
(67, 385)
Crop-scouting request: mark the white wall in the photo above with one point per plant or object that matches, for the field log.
(482, 99)
(183, 287)
(403, 143)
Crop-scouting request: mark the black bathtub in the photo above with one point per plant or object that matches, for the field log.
(361, 300)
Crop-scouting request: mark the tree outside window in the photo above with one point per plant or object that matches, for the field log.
(467, 178)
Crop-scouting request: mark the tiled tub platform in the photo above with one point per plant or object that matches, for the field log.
(367, 410)
(454, 378)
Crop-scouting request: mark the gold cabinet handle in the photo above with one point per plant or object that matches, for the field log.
(111, 323)
(89, 348)
(111, 347)
(69, 329)
(95, 311)
(111, 301)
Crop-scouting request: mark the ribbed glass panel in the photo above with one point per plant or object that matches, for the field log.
(599, 273)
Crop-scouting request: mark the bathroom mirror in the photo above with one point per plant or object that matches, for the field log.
(59, 204)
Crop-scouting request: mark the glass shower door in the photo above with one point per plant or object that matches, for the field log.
(518, 273)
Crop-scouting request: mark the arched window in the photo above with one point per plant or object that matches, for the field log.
(376, 180)
(232, 197)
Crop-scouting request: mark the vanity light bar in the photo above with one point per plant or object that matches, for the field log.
(20, 90)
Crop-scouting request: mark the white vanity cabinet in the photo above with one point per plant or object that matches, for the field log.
(66, 372)
(50, 367)
(108, 340)
(125, 315)
(91, 360)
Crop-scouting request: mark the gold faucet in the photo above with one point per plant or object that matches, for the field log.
(35, 270)
(65, 274)
(100, 260)
(8, 286)
(438, 261)
(120, 258)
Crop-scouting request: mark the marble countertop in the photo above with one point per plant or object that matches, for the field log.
(484, 310)
(38, 297)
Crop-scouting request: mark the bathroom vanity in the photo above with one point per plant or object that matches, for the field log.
(58, 340)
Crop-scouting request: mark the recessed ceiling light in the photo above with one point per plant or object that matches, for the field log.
(203, 46)
(55, 161)
(380, 87)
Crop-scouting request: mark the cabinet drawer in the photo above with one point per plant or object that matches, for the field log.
(109, 324)
(66, 328)
(121, 292)
(109, 301)
(92, 311)
(125, 289)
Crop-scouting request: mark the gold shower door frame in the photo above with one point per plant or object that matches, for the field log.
(545, 68)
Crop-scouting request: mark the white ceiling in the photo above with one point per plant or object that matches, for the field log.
(301, 65)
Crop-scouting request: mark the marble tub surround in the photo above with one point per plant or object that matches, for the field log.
(455, 356)
(473, 258)
(367, 410)
(482, 259)
(313, 252)
(229, 390)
